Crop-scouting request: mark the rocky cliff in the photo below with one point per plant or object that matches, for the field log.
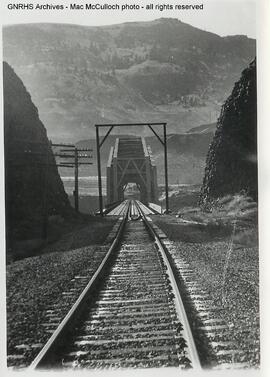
(34, 189)
(231, 165)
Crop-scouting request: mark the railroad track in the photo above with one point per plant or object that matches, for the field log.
(130, 314)
(119, 210)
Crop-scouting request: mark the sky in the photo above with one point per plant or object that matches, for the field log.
(223, 17)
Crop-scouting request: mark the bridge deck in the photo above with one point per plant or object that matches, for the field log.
(130, 147)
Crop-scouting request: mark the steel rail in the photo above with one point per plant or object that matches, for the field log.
(134, 216)
(56, 339)
(117, 210)
(187, 333)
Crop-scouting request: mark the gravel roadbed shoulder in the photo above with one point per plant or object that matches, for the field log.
(229, 275)
(39, 285)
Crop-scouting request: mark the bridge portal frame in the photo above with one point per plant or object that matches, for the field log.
(163, 141)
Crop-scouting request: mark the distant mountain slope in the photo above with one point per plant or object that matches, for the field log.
(164, 70)
(204, 128)
(231, 164)
(33, 185)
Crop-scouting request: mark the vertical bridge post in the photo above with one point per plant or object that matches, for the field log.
(99, 173)
(166, 167)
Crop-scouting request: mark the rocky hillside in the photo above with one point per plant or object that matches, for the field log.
(163, 70)
(231, 165)
(33, 185)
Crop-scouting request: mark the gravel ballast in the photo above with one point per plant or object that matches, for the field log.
(229, 273)
(37, 285)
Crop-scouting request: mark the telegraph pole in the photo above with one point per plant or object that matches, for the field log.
(44, 201)
(74, 154)
(44, 164)
(76, 172)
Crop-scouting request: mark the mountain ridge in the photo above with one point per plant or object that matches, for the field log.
(138, 71)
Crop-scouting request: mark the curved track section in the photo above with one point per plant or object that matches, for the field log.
(133, 317)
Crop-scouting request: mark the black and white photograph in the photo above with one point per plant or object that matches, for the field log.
(131, 187)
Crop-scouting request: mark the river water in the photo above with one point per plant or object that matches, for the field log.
(87, 185)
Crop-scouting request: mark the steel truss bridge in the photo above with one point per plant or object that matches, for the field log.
(130, 162)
